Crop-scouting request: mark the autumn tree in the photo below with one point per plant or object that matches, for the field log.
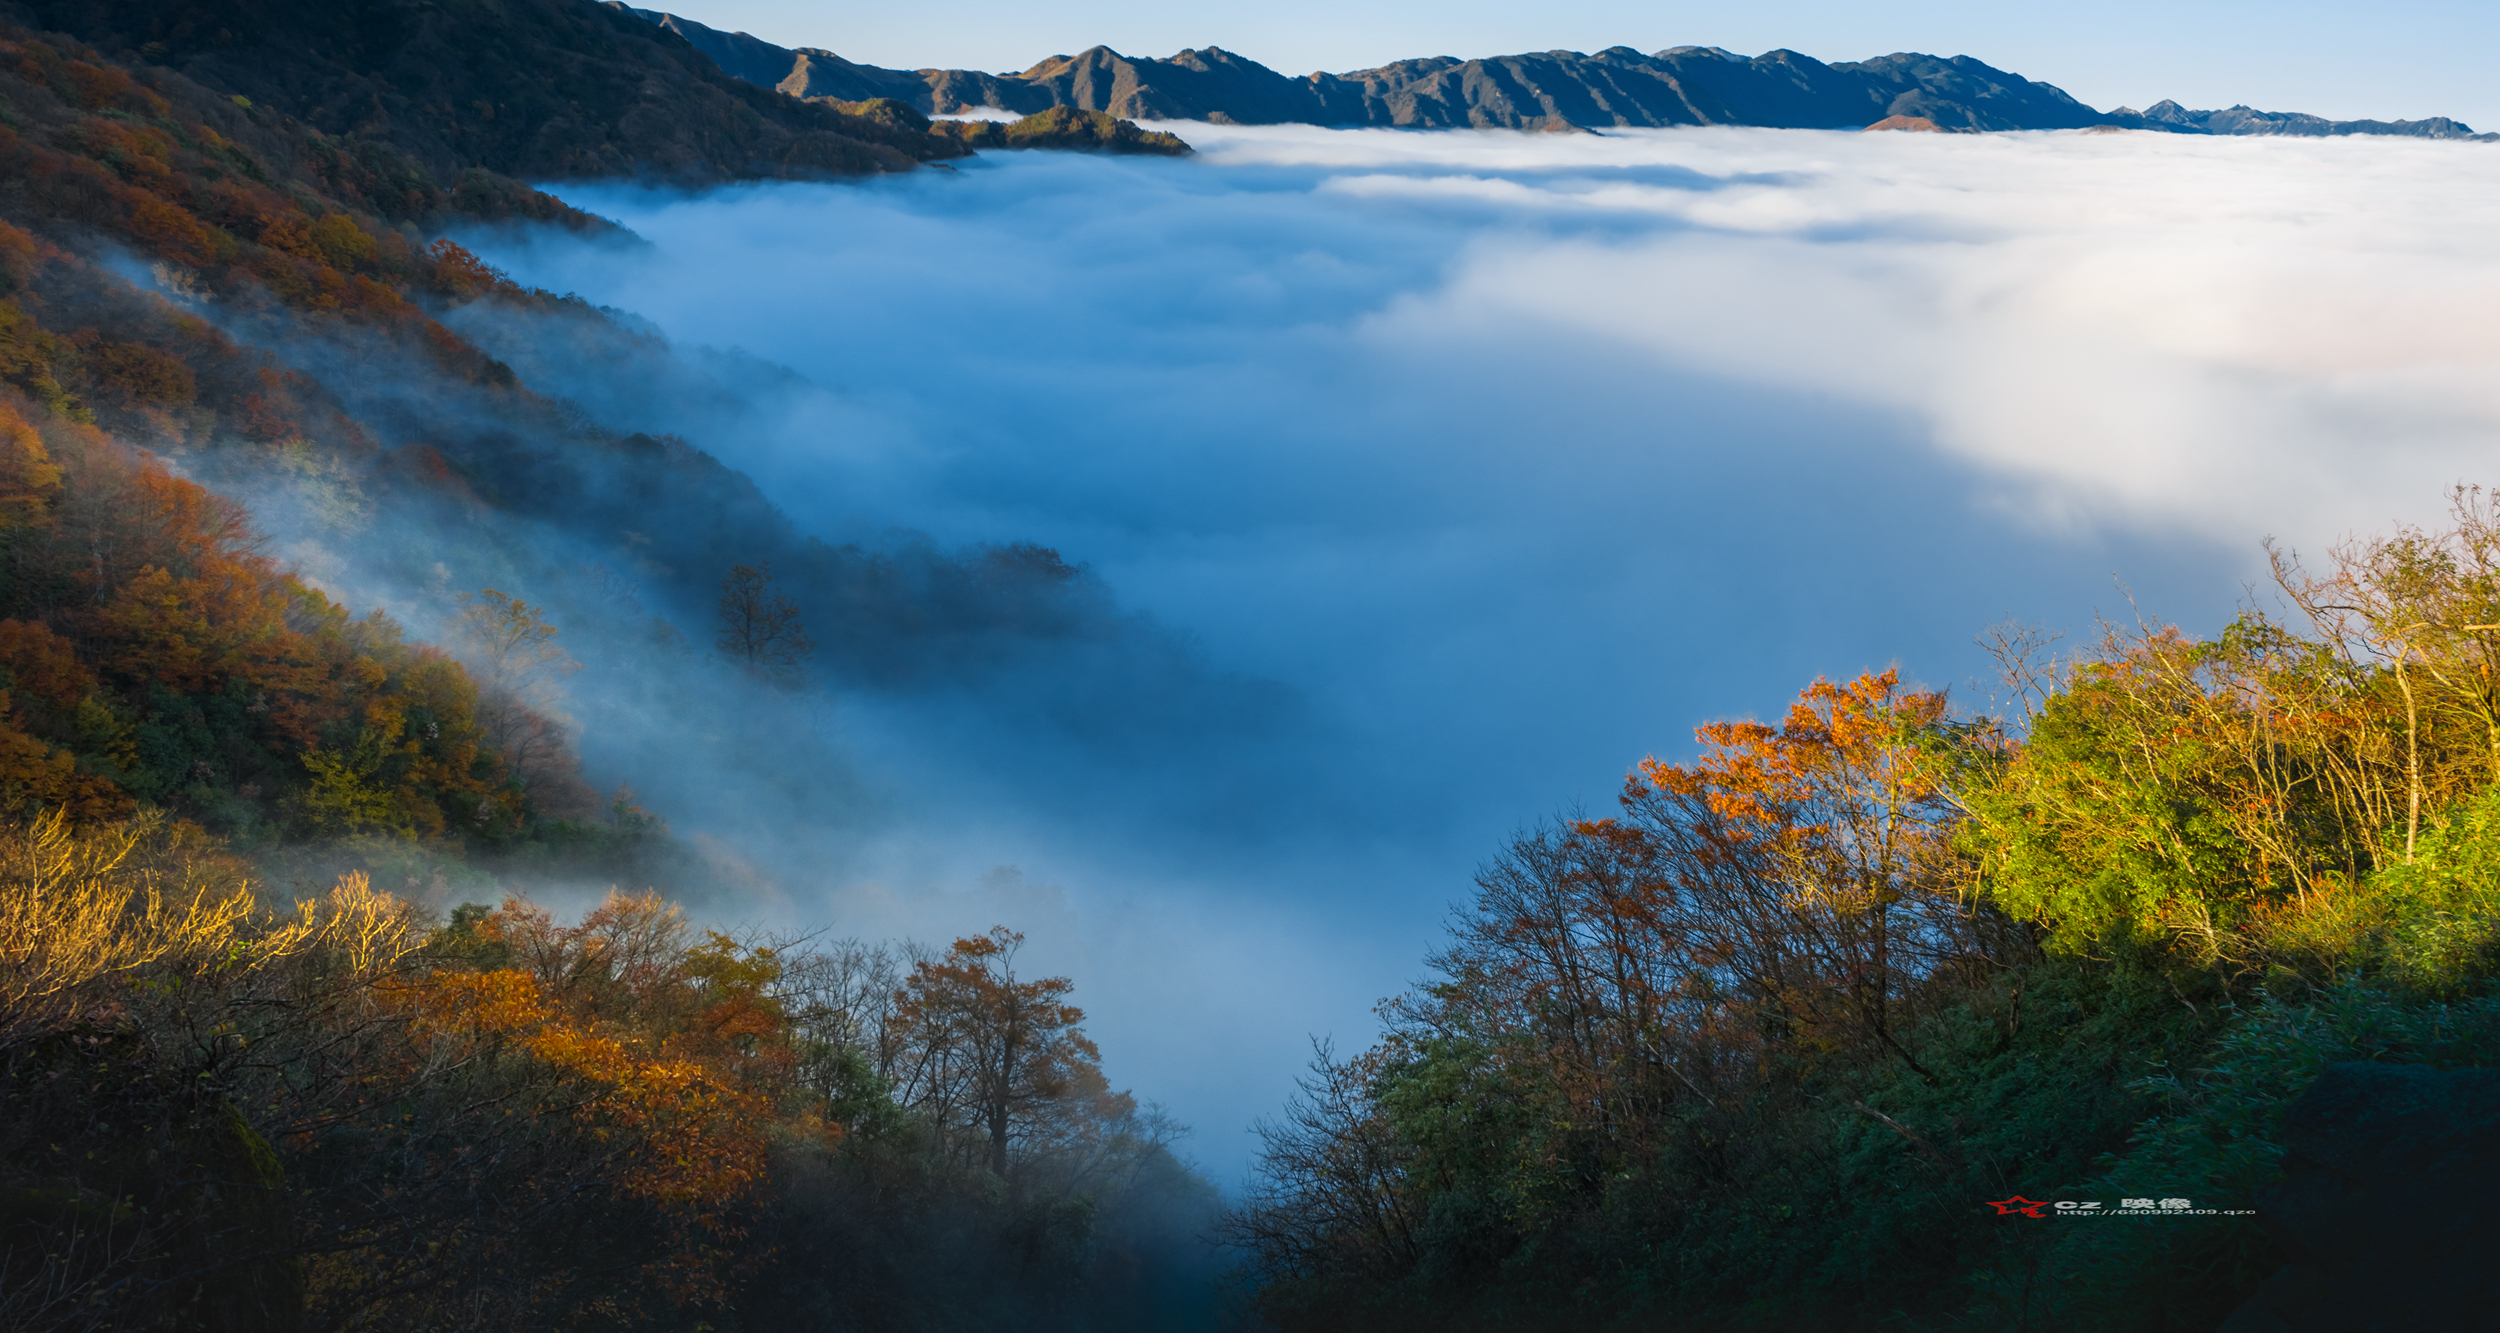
(1627, 996)
(30, 481)
(331, 1117)
(999, 1063)
(519, 670)
(1811, 865)
(2422, 608)
(159, 655)
(759, 627)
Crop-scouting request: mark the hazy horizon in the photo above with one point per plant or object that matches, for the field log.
(2407, 61)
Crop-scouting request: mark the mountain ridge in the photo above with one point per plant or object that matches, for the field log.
(537, 89)
(1618, 87)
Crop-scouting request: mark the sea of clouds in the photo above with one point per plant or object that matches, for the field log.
(1475, 466)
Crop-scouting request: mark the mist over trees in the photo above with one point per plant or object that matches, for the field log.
(285, 1043)
(199, 281)
(759, 628)
(519, 670)
(281, 1047)
(344, 1115)
(1758, 1046)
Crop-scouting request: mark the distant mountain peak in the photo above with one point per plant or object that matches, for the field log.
(1616, 87)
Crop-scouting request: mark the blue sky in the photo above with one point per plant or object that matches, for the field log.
(2395, 59)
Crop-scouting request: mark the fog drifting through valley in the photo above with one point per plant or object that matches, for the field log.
(1472, 467)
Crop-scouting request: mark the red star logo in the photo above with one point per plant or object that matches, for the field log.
(2019, 1206)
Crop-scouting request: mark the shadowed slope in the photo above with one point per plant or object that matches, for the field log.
(536, 88)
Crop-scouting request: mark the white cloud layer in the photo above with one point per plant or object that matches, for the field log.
(2243, 336)
(1505, 459)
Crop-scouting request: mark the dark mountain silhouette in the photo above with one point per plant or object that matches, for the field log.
(1619, 86)
(540, 89)
(803, 73)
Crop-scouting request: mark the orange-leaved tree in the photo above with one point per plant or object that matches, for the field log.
(1810, 867)
(669, 1058)
(999, 1064)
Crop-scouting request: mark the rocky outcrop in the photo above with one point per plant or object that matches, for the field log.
(815, 73)
(1213, 85)
(2390, 1207)
(955, 90)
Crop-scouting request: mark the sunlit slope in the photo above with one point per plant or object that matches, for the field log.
(277, 338)
(155, 653)
(243, 1094)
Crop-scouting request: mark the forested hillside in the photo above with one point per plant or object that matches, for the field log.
(200, 290)
(1759, 1048)
(285, 1043)
(244, 1089)
(548, 89)
(155, 653)
(219, 1113)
